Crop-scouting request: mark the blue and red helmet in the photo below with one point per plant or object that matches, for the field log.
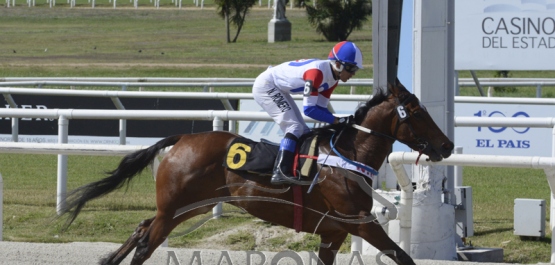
(348, 54)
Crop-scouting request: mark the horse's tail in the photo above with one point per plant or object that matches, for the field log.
(130, 166)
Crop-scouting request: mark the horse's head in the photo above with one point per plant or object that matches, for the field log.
(413, 125)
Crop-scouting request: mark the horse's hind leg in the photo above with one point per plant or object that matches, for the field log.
(329, 245)
(158, 231)
(117, 256)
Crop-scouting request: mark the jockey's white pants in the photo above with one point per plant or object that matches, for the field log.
(280, 105)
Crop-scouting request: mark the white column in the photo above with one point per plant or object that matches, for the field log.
(379, 49)
(433, 227)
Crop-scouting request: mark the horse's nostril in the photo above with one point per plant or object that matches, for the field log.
(448, 146)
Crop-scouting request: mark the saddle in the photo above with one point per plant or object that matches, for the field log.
(244, 154)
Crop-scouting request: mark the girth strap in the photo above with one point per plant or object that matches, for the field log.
(297, 200)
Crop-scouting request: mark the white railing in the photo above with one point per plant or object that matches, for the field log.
(68, 149)
(153, 94)
(62, 149)
(116, 95)
(504, 82)
(52, 3)
(64, 115)
(463, 81)
(225, 97)
(397, 159)
(130, 79)
(178, 3)
(208, 83)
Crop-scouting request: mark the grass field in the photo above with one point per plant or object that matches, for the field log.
(166, 43)
(127, 42)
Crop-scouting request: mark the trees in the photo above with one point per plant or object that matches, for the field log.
(336, 19)
(234, 12)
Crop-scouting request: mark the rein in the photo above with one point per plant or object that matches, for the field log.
(317, 174)
(354, 163)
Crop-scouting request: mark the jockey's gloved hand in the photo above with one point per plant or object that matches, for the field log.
(346, 120)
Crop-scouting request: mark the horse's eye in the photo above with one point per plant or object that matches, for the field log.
(417, 114)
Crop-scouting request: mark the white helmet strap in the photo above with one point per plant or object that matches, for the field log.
(334, 65)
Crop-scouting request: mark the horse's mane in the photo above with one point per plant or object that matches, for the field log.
(359, 115)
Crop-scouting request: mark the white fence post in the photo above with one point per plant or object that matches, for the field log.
(15, 129)
(217, 125)
(356, 244)
(63, 124)
(122, 131)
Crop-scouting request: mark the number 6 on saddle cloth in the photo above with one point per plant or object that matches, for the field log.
(244, 154)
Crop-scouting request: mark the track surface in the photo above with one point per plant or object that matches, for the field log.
(18, 253)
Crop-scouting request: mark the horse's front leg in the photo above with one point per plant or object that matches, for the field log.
(374, 234)
(329, 246)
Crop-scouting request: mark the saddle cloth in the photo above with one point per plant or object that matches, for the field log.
(258, 157)
(249, 156)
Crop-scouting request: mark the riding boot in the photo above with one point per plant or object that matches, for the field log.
(283, 166)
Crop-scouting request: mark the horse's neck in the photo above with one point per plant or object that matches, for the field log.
(372, 149)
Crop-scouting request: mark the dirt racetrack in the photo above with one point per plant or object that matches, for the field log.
(19, 253)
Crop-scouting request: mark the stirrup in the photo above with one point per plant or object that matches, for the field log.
(279, 178)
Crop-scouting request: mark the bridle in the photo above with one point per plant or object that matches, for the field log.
(402, 116)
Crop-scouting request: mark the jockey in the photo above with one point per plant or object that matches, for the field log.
(315, 79)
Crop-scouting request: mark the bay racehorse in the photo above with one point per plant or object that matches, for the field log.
(191, 179)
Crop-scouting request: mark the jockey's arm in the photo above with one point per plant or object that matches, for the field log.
(315, 102)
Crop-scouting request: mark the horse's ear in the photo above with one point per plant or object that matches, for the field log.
(391, 89)
(398, 86)
(383, 91)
